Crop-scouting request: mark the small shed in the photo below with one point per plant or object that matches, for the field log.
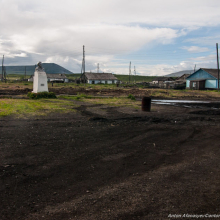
(96, 78)
(203, 79)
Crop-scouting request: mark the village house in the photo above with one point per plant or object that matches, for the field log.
(203, 79)
(182, 79)
(96, 78)
(61, 78)
(160, 80)
(163, 82)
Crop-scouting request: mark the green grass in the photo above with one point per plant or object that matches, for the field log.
(76, 97)
(24, 108)
(112, 101)
(115, 101)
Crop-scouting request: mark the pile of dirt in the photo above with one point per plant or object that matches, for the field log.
(15, 91)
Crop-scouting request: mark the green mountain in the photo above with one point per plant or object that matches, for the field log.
(48, 67)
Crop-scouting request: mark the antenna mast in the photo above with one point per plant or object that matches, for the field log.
(2, 68)
(134, 74)
(130, 72)
(25, 72)
(98, 68)
(84, 59)
(217, 64)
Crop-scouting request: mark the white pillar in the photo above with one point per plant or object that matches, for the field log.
(40, 81)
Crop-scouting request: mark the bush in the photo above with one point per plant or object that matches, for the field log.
(130, 96)
(42, 95)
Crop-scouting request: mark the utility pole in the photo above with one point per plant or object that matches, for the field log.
(217, 64)
(98, 68)
(195, 68)
(2, 68)
(84, 59)
(5, 73)
(25, 72)
(84, 65)
(130, 72)
(134, 74)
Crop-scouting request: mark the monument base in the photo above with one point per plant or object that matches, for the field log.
(40, 82)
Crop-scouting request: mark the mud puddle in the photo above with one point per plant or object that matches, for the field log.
(189, 103)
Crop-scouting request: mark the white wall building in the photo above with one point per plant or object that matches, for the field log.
(96, 78)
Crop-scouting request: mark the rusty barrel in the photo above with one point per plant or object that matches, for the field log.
(146, 104)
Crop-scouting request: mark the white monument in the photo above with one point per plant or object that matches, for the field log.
(40, 79)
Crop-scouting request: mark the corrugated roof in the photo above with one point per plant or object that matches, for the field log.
(100, 76)
(183, 77)
(163, 78)
(213, 72)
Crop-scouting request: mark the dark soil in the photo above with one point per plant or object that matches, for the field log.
(117, 91)
(110, 163)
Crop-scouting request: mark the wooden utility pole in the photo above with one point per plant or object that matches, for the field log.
(84, 65)
(3, 68)
(98, 68)
(217, 64)
(84, 59)
(134, 74)
(25, 72)
(5, 73)
(130, 72)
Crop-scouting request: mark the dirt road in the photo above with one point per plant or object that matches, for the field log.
(110, 163)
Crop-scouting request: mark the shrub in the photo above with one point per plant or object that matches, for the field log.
(42, 95)
(130, 96)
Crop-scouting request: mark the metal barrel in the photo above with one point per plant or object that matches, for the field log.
(146, 104)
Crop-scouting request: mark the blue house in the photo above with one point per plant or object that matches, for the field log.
(203, 79)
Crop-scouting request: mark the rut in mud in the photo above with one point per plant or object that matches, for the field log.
(110, 163)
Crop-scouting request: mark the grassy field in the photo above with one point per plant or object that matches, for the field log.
(64, 103)
(26, 107)
(112, 101)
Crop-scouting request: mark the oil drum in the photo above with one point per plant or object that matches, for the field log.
(146, 104)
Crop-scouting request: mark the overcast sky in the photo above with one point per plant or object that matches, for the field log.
(158, 36)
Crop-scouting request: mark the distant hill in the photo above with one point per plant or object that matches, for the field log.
(49, 68)
(180, 73)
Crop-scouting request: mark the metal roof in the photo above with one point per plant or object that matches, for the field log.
(163, 78)
(212, 72)
(100, 76)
